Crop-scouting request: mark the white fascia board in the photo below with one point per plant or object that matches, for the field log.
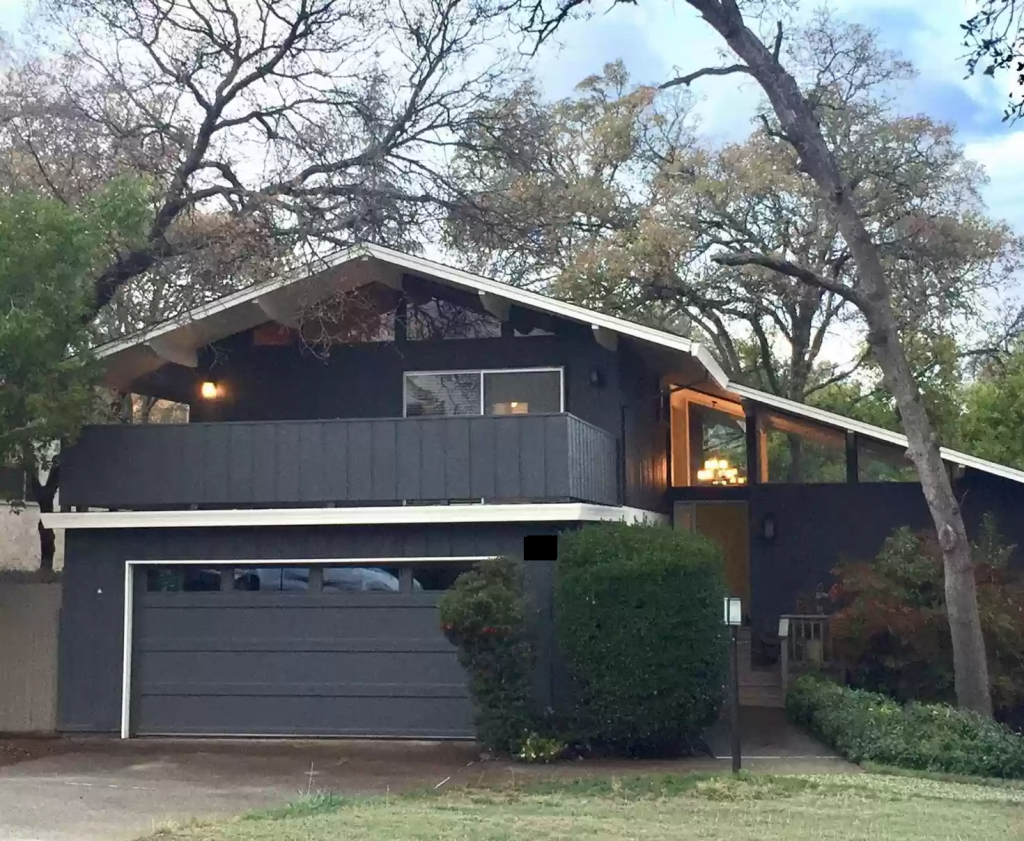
(551, 305)
(243, 296)
(869, 430)
(552, 512)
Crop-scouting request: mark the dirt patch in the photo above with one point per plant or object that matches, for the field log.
(13, 751)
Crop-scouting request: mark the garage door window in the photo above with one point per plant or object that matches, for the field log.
(257, 578)
(185, 579)
(437, 577)
(289, 579)
(362, 579)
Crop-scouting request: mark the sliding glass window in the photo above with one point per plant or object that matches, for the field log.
(486, 392)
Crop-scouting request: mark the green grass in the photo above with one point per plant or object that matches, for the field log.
(652, 808)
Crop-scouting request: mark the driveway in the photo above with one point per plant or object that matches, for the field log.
(108, 790)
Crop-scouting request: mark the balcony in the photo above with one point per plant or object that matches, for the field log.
(546, 458)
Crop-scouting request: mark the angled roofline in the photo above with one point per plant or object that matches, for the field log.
(868, 430)
(439, 270)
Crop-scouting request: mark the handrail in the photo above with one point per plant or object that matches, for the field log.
(805, 641)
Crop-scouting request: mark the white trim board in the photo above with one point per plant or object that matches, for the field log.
(129, 600)
(550, 512)
(868, 430)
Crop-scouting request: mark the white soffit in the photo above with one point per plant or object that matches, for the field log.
(553, 512)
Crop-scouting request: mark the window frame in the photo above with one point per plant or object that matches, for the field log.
(482, 372)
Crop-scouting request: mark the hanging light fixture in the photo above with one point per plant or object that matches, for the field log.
(718, 471)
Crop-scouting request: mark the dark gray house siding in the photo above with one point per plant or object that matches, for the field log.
(92, 614)
(271, 464)
(365, 380)
(819, 526)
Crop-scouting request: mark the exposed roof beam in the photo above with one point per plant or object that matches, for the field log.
(608, 339)
(169, 351)
(276, 310)
(498, 307)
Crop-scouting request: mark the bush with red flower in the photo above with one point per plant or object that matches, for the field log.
(891, 629)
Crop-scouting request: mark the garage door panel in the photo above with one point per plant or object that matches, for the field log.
(295, 663)
(293, 668)
(304, 716)
(323, 621)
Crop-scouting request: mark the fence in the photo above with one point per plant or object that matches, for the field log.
(28, 656)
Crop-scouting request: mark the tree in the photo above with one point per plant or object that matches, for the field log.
(993, 39)
(993, 413)
(47, 251)
(868, 290)
(611, 202)
(311, 123)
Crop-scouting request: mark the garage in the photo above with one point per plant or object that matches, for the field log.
(294, 649)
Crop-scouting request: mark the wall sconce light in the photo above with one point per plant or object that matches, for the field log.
(768, 527)
(209, 391)
(597, 378)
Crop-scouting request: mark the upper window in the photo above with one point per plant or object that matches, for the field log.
(483, 392)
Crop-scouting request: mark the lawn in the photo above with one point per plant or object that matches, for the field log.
(754, 808)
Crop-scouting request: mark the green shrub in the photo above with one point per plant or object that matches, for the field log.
(890, 627)
(639, 621)
(484, 616)
(869, 727)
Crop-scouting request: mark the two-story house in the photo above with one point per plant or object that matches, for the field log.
(359, 437)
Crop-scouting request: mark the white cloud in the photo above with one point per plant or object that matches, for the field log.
(1001, 156)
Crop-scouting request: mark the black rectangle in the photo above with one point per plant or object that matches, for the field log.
(540, 547)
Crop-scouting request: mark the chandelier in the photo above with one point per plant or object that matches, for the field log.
(718, 471)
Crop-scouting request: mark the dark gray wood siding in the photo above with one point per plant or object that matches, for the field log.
(508, 458)
(91, 620)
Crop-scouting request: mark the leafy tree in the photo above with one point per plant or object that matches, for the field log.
(47, 251)
(869, 289)
(993, 411)
(993, 38)
(609, 200)
(310, 124)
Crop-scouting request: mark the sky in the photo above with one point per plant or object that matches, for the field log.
(656, 37)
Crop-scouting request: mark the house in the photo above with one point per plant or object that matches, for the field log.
(272, 567)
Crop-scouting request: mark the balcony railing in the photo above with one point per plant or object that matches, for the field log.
(555, 457)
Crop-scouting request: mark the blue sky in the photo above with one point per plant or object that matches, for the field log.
(656, 36)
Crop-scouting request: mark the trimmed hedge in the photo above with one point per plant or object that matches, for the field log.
(868, 727)
(484, 616)
(639, 618)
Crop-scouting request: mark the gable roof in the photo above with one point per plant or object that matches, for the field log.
(177, 339)
(240, 310)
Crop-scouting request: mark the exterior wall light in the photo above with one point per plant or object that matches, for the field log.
(209, 391)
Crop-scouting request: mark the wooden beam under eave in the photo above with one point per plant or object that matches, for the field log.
(168, 351)
(608, 339)
(498, 307)
(276, 311)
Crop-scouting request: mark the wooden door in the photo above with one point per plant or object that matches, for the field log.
(726, 524)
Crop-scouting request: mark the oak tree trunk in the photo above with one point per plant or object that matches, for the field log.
(44, 494)
(872, 297)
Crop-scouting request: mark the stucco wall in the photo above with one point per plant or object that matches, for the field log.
(19, 538)
(29, 615)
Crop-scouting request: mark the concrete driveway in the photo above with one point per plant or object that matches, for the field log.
(110, 790)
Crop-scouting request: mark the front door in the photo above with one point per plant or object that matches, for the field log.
(726, 524)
